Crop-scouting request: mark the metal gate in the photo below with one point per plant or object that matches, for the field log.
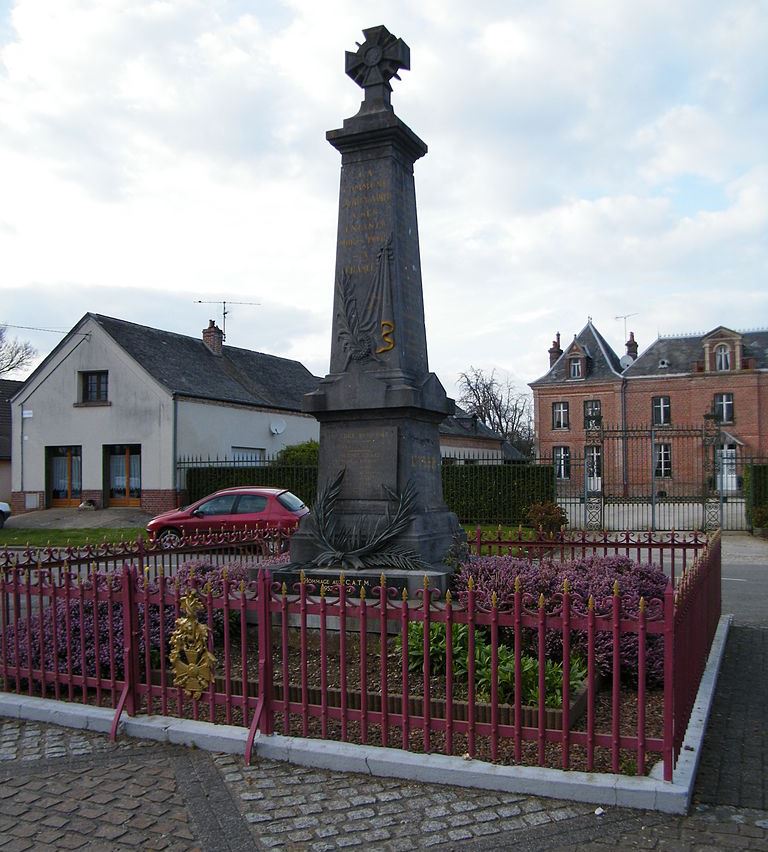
(660, 478)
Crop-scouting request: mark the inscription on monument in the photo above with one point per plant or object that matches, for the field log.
(368, 453)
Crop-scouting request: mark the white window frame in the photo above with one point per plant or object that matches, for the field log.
(561, 457)
(722, 358)
(592, 417)
(723, 407)
(661, 411)
(662, 461)
(560, 415)
(575, 371)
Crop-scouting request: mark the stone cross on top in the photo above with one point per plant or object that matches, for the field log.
(376, 61)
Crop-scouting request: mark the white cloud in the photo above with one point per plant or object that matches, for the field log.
(177, 148)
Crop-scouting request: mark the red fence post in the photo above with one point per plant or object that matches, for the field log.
(129, 696)
(262, 717)
(669, 684)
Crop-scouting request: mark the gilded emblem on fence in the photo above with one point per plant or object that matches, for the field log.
(193, 664)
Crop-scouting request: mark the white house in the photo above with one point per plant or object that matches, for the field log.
(108, 413)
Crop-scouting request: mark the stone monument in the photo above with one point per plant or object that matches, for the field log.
(379, 505)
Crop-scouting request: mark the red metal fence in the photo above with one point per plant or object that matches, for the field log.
(672, 551)
(216, 546)
(432, 674)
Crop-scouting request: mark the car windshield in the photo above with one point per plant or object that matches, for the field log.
(290, 501)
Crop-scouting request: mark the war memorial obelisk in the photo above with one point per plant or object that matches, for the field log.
(380, 504)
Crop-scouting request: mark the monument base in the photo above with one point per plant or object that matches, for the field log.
(438, 577)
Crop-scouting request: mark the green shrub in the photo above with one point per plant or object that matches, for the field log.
(529, 665)
(547, 516)
(760, 517)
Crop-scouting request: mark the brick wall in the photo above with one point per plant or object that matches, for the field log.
(157, 501)
(18, 500)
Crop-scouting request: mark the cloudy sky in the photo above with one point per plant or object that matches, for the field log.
(595, 158)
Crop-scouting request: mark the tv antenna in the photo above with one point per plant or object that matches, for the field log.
(625, 317)
(224, 310)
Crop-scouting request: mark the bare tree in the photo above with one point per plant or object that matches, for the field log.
(14, 354)
(500, 405)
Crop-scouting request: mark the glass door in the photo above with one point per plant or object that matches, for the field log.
(64, 475)
(122, 465)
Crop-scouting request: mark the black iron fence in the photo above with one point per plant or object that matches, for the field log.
(637, 479)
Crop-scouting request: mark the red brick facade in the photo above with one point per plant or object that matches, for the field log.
(663, 415)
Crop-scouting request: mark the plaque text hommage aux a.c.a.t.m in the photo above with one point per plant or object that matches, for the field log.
(380, 503)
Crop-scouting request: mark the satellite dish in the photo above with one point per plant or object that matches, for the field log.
(626, 361)
(277, 426)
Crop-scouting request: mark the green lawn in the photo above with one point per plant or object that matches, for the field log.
(40, 538)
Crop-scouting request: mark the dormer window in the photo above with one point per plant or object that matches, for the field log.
(722, 358)
(575, 368)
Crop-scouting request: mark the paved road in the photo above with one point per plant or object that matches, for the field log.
(64, 789)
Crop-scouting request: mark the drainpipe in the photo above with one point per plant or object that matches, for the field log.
(174, 447)
(21, 450)
(624, 472)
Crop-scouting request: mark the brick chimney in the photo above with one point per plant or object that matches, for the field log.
(632, 346)
(555, 352)
(213, 337)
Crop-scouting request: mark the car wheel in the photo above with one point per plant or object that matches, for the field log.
(169, 538)
(2, 519)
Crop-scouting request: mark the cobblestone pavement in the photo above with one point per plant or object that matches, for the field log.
(64, 789)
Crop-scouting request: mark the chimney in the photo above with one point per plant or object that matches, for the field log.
(555, 352)
(213, 337)
(632, 346)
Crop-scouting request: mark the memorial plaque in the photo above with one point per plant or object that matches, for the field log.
(379, 407)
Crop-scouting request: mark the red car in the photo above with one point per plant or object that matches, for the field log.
(243, 508)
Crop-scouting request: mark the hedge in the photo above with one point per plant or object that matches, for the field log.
(497, 493)
(755, 487)
(203, 480)
(478, 494)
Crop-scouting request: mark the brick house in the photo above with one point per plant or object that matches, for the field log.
(676, 421)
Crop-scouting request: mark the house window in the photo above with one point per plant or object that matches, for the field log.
(560, 415)
(575, 368)
(662, 460)
(592, 413)
(562, 462)
(722, 358)
(93, 386)
(662, 411)
(723, 406)
(248, 454)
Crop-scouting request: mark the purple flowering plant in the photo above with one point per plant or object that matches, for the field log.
(589, 576)
(82, 626)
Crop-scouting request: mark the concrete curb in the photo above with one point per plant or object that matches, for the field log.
(650, 792)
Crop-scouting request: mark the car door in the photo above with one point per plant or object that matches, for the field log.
(214, 514)
(251, 511)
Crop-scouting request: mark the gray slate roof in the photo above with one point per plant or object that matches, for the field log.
(464, 425)
(8, 388)
(185, 366)
(683, 352)
(602, 362)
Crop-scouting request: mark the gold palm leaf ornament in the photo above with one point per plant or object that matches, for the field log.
(193, 664)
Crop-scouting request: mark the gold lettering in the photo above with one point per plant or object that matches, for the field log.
(387, 330)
